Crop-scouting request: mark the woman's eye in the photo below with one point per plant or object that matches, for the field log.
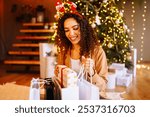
(66, 30)
(76, 28)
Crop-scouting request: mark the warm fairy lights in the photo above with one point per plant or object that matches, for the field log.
(132, 20)
(143, 30)
(143, 27)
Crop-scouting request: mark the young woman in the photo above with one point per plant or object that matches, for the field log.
(79, 45)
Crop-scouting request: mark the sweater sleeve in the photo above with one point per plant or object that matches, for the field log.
(100, 77)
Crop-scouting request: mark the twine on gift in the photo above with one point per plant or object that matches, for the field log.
(39, 81)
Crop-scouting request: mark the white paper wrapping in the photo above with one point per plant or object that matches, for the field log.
(124, 80)
(111, 84)
(50, 66)
(34, 90)
(43, 48)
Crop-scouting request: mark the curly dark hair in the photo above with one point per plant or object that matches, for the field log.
(88, 39)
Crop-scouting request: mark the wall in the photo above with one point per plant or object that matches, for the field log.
(8, 26)
(2, 36)
(138, 21)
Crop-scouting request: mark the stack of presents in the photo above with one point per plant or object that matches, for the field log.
(118, 75)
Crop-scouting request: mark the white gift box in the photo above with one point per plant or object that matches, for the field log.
(111, 84)
(118, 68)
(118, 65)
(50, 66)
(44, 48)
(124, 80)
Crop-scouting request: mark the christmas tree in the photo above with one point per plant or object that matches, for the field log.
(106, 17)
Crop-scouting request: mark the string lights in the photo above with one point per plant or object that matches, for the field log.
(143, 27)
(143, 30)
(140, 59)
(132, 20)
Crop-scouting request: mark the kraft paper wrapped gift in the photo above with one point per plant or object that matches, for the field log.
(67, 76)
(124, 80)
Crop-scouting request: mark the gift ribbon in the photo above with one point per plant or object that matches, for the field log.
(61, 77)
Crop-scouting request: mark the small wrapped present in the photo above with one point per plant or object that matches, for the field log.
(66, 76)
(124, 80)
(118, 65)
(111, 84)
(118, 68)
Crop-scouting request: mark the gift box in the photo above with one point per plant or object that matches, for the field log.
(118, 65)
(118, 68)
(111, 84)
(124, 80)
(45, 63)
(66, 76)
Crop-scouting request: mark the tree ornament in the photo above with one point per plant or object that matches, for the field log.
(117, 21)
(129, 57)
(93, 25)
(110, 45)
(97, 20)
(104, 1)
(121, 13)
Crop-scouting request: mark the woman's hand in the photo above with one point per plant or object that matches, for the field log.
(88, 65)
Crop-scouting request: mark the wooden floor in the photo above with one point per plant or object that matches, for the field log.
(138, 90)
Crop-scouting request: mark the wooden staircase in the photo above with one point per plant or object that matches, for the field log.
(24, 55)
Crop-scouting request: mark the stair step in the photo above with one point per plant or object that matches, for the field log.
(23, 52)
(25, 45)
(36, 24)
(33, 37)
(22, 62)
(37, 31)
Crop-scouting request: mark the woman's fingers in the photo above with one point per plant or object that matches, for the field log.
(83, 59)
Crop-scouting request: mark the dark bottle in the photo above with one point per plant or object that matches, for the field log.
(49, 89)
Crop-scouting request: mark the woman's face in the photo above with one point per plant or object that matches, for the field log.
(72, 30)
